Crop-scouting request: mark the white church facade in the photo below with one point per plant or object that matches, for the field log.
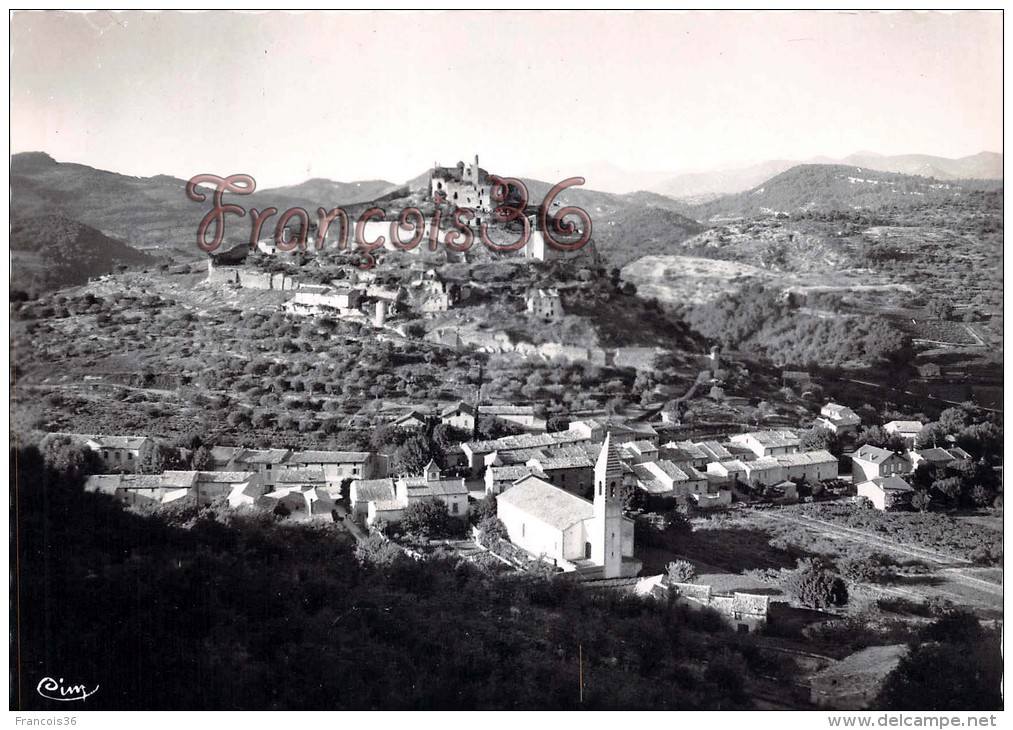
(594, 538)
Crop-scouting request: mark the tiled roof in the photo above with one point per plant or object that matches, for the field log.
(806, 458)
(263, 456)
(507, 410)
(525, 441)
(770, 439)
(872, 454)
(903, 427)
(547, 503)
(461, 407)
(120, 442)
(373, 490)
(329, 457)
(935, 455)
(300, 476)
(512, 472)
(891, 484)
(225, 476)
(178, 478)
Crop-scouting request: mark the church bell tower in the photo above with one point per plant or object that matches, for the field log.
(606, 536)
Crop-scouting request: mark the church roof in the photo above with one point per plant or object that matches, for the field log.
(547, 503)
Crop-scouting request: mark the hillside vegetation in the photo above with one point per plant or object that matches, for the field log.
(50, 252)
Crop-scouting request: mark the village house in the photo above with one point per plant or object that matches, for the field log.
(340, 465)
(340, 302)
(636, 452)
(855, 681)
(411, 419)
(664, 479)
(768, 443)
(810, 466)
(118, 453)
(745, 612)
(729, 471)
(480, 454)
(268, 463)
(872, 462)
(498, 479)
(364, 491)
(569, 467)
(763, 471)
(523, 416)
(212, 485)
(409, 490)
(589, 429)
(592, 538)
(545, 304)
(431, 294)
(299, 502)
(839, 419)
(935, 457)
(460, 416)
(626, 431)
(143, 489)
(907, 430)
(885, 492)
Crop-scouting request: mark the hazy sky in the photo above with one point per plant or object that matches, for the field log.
(351, 96)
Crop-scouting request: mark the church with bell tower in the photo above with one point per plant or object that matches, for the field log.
(593, 538)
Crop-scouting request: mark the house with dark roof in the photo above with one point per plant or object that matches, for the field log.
(340, 465)
(885, 492)
(839, 419)
(459, 415)
(934, 456)
(872, 462)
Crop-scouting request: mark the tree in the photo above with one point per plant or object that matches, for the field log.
(958, 676)
(819, 438)
(202, 460)
(877, 436)
(815, 586)
(413, 454)
(921, 500)
(485, 509)
(427, 518)
(159, 459)
(377, 550)
(76, 461)
(492, 529)
(633, 498)
(681, 571)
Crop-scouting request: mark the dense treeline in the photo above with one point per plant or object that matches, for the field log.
(759, 320)
(210, 609)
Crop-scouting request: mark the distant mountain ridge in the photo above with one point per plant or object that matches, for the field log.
(703, 185)
(834, 187)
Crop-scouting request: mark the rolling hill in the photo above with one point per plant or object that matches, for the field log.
(51, 252)
(834, 187)
(699, 187)
(147, 213)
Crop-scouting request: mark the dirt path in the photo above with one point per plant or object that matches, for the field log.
(959, 573)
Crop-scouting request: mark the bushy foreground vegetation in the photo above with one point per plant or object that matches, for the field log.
(211, 609)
